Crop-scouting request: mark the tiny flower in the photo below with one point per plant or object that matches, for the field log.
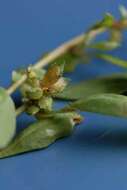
(34, 93)
(31, 74)
(45, 103)
(32, 110)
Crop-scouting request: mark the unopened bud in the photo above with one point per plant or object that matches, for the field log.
(45, 103)
(31, 73)
(35, 93)
(32, 110)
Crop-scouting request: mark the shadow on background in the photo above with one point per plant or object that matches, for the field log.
(100, 137)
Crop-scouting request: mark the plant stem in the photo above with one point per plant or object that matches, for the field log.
(20, 110)
(62, 49)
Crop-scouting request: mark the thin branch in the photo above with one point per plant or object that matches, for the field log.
(62, 49)
(20, 110)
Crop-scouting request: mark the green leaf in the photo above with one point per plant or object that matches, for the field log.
(110, 84)
(40, 134)
(107, 21)
(109, 104)
(105, 45)
(7, 118)
(123, 12)
(113, 60)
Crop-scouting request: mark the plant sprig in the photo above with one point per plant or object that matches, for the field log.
(40, 87)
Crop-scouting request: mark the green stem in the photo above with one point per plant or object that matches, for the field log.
(62, 49)
(20, 110)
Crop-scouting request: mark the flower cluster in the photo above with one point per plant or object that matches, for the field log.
(40, 88)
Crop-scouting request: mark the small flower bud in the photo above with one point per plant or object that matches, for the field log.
(25, 88)
(32, 110)
(35, 93)
(31, 73)
(45, 103)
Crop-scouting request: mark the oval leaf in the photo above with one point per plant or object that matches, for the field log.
(7, 118)
(40, 135)
(109, 104)
(110, 84)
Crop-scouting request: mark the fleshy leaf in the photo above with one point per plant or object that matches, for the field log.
(109, 104)
(113, 60)
(40, 134)
(110, 84)
(7, 118)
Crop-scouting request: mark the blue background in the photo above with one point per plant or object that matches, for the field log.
(91, 158)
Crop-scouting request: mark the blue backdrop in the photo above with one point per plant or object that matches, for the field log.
(88, 159)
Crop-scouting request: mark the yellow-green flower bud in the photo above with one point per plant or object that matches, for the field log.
(25, 88)
(31, 73)
(35, 93)
(32, 110)
(45, 103)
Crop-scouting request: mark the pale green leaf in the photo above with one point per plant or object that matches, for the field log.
(109, 104)
(7, 118)
(40, 134)
(110, 84)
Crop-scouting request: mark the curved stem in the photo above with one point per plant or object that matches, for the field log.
(51, 57)
(62, 49)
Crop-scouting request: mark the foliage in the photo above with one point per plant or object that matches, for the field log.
(40, 87)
